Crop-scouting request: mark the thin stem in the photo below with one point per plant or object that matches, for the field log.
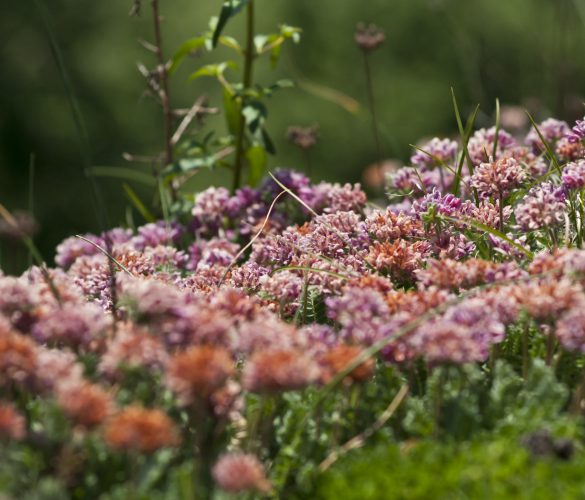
(247, 81)
(31, 196)
(525, 351)
(501, 203)
(372, 103)
(164, 85)
(308, 164)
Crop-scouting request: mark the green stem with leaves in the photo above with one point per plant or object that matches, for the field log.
(247, 83)
(164, 85)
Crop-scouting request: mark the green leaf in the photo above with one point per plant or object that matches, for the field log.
(268, 144)
(496, 138)
(186, 165)
(229, 9)
(214, 70)
(122, 173)
(256, 158)
(549, 150)
(280, 84)
(466, 135)
(254, 113)
(185, 49)
(230, 42)
(261, 40)
(232, 114)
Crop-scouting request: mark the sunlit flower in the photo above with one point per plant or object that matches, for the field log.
(139, 429)
(279, 370)
(12, 424)
(240, 472)
(86, 404)
(199, 371)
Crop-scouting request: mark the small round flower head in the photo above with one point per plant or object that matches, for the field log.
(73, 324)
(577, 134)
(273, 371)
(332, 198)
(388, 226)
(442, 149)
(199, 371)
(18, 360)
(71, 248)
(445, 341)
(339, 357)
(361, 312)
(498, 178)
(86, 404)
(12, 424)
(139, 429)
(240, 472)
(544, 206)
(570, 329)
(574, 175)
(210, 211)
(400, 259)
(155, 234)
(551, 129)
(132, 348)
(303, 137)
(481, 144)
(545, 301)
(56, 366)
(570, 151)
(369, 37)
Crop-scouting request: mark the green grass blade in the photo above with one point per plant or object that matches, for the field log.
(122, 173)
(494, 232)
(496, 138)
(549, 150)
(137, 202)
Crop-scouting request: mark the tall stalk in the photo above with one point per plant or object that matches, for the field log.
(164, 85)
(372, 105)
(247, 81)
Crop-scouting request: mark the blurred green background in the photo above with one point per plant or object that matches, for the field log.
(526, 52)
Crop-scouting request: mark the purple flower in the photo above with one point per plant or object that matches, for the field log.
(577, 134)
(544, 206)
(443, 149)
(551, 129)
(498, 178)
(362, 314)
(210, 211)
(481, 144)
(157, 233)
(72, 248)
(574, 175)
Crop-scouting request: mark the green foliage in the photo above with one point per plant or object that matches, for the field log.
(480, 469)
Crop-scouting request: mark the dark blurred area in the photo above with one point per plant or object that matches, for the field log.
(528, 53)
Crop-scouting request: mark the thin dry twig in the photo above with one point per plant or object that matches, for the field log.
(251, 242)
(197, 109)
(361, 438)
(106, 253)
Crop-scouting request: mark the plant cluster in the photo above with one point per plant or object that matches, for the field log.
(247, 344)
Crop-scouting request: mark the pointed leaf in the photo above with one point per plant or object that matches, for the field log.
(229, 9)
(257, 161)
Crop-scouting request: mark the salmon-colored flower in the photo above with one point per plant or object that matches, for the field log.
(86, 404)
(279, 370)
(199, 371)
(12, 424)
(140, 429)
(240, 472)
(337, 359)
